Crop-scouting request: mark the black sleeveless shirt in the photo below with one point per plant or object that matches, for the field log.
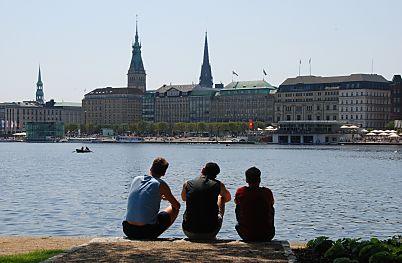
(201, 215)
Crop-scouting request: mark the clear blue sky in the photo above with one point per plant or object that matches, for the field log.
(82, 45)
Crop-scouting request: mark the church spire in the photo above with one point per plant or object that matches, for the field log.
(136, 72)
(39, 89)
(206, 75)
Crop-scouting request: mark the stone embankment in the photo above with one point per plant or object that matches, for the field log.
(117, 249)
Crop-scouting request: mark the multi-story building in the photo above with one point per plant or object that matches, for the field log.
(109, 106)
(201, 100)
(19, 114)
(396, 98)
(104, 106)
(148, 106)
(244, 101)
(172, 103)
(362, 99)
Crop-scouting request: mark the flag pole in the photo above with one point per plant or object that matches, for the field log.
(310, 65)
(299, 66)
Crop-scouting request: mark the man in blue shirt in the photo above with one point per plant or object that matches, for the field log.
(143, 219)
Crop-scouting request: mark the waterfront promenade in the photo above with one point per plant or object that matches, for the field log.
(118, 249)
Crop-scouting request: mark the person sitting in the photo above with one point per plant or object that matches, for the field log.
(143, 219)
(205, 199)
(254, 209)
(82, 148)
(87, 149)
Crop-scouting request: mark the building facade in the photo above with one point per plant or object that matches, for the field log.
(244, 101)
(361, 99)
(172, 103)
(396, 98)
(19, 114)
(148, 106)
(112, 106)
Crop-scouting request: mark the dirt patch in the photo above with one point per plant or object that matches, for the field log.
(12, 245)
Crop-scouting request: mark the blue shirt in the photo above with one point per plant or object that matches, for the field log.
(144, 200)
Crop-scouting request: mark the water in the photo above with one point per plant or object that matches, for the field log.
(336, 191)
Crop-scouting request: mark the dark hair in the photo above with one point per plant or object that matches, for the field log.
(253, 175)
(211, 170)
(159, 166)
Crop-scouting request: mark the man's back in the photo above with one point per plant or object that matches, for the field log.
(201, 215)
(255, 213)
(144, 200)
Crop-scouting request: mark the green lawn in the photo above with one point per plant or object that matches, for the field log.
(31, 257)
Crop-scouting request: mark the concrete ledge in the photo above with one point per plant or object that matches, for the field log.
(119, 249)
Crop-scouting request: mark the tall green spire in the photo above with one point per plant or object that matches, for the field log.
(136, 65)
(206, 75)
(136, 73)
(39, 89)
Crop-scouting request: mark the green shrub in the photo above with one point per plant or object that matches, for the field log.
(320, 245)
(336, 251)
(382, 257)
(345, 260)
(367, 251)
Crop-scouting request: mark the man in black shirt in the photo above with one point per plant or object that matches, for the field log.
(205, 199)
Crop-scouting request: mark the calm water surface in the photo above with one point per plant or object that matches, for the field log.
(345, 191)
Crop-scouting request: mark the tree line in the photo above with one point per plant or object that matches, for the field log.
(143, 128)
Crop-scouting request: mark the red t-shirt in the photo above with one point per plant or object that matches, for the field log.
(254, 211)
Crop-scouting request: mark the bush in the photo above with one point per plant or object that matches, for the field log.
(382, 257)
(345, 260)
(336, 251)
(320, 245)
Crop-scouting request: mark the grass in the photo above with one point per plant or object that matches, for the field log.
(31, 257)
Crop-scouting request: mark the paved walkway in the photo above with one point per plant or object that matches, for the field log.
(176, 250)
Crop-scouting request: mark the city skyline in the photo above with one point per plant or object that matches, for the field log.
(83, 46)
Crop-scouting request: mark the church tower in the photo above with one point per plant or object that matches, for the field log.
(136, 77)
(206, 75)
(39, 90)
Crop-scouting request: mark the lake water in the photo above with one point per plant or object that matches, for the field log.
(336, 191)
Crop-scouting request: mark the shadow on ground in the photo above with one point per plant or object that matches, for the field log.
(174, 251)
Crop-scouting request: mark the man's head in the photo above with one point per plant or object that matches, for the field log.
(211, 170)
(253, 176)
(159, 167)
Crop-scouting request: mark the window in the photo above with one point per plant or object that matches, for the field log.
(288, 117)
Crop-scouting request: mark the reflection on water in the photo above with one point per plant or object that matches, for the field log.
(345, 191)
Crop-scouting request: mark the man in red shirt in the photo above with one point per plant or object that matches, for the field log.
(254, 209)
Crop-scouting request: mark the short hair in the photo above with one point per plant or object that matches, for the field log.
(159, 166)
(211, 170)
(253, 175)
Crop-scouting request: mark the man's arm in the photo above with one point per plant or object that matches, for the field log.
(225, 193)
(184, 192)
(166, 194)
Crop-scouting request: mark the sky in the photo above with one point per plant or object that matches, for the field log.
(83, 45)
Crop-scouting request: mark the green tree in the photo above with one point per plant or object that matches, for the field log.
(390, 125)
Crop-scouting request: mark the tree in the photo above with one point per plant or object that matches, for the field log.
(390, 125)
